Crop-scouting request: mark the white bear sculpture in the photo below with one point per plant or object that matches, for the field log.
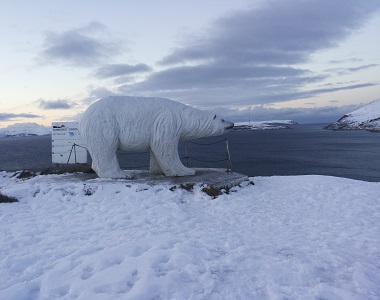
(141, 124)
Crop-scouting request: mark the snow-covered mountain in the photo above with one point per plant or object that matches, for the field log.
(366, 117)
(24, 129)
(263, 125)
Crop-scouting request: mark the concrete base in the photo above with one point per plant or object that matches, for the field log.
(216, 178)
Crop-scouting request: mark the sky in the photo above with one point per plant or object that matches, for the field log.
(306, 60)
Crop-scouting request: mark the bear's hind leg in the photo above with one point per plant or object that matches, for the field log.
(104, 158)
(154, 166)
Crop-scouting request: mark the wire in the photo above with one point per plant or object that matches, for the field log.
(206, 144)
(196, 159)
(186, 157)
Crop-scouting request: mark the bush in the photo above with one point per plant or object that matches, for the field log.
(25, 174)
(7, 199)
(212, 191)
(68, 169)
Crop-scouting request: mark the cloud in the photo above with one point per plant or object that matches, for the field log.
(326, 114)
(84, 46)
(116, 70)
(362, 67)
(96, 93)
(239, 92)
(280, 32)
(345, 71)
(11, 116)
(55, 104)
(215, 75)
(340, 61)
(253, 56)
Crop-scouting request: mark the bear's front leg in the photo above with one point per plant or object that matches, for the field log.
(164, 145)
(166, 156)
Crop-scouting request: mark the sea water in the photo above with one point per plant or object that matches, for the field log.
(301, 150)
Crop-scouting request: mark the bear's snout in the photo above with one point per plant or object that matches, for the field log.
(229, 125)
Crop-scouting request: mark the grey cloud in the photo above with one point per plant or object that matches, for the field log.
(339, 83)
(344, 71)
(362, 67)
(96, 93)
(341, 88)
(10, 116)
(126, 79)
(216, 75)
(115, 70)
(340, 61)
(236, 91)
(223, 80)
(54, 104)
(84, 46)
(280, 32)
(326, 114)
(251, 56)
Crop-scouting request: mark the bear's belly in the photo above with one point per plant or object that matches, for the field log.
(134, 144)
(134, 147)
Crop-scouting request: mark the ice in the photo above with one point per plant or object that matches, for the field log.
(289, 237)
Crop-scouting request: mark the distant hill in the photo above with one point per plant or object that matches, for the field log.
(24, 129)
(366, 117)
(264, 125)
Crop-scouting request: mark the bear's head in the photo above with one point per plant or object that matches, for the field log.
(199, 124)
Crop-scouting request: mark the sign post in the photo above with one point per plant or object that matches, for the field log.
(67, 144)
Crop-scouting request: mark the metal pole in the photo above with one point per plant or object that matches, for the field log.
(70, 154)
(186, 156)
(75, 152)
(229, 165)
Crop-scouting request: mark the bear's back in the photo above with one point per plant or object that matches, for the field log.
(138, 104)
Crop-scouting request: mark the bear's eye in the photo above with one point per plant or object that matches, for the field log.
(214, 117)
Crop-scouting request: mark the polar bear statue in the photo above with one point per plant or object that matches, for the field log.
(141, 124)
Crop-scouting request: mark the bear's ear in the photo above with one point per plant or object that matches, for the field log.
(214, 117)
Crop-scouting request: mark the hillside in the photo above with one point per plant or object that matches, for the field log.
(366, 117)
(264, 125)
(24, 129)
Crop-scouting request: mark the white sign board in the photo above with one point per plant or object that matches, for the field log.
(67, 144)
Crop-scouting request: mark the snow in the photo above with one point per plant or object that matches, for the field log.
(24, 129)
(290, 237)
(285, 122)
(367, 112)
(366, 117)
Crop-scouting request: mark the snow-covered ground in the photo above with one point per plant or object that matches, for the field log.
(24, 129)
(291, 237)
